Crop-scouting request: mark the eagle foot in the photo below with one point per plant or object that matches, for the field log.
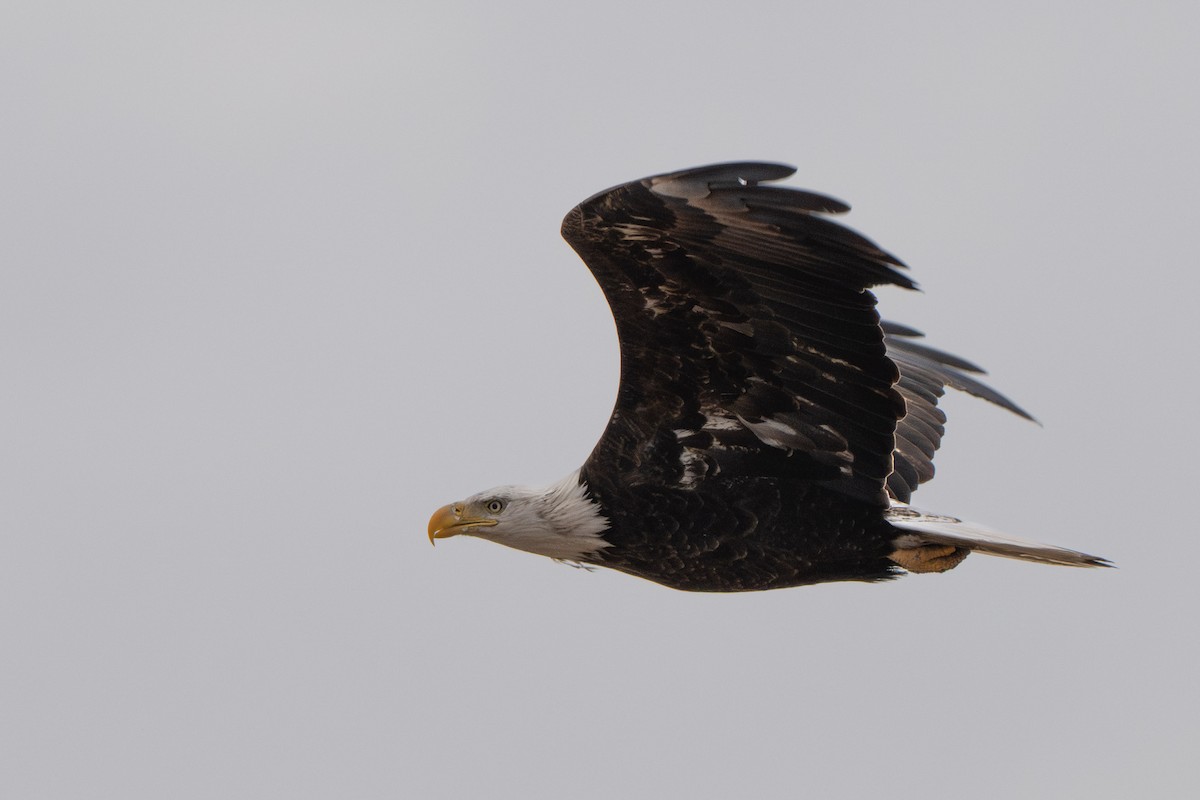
(929, 557)
(576, 564)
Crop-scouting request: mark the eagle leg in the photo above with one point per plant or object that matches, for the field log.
(929, 558)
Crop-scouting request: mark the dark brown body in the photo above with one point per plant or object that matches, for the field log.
(745, 534)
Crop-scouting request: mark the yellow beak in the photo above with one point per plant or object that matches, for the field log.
(449, 521)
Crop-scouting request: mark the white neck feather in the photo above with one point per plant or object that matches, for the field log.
(570, 508)
(575, 521)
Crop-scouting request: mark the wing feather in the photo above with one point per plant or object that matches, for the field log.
(739, 311)
(750, 342)
(925, 372)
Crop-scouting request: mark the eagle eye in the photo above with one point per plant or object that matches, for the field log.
(494, 506)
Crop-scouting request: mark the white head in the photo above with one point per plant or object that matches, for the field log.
(559, 521)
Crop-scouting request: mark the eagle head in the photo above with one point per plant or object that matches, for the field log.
(559, 521)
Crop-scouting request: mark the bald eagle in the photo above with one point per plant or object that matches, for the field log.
(769, 428)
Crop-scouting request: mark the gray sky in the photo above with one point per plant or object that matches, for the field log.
(278, 279)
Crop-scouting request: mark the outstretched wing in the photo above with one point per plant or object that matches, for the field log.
(750, 344)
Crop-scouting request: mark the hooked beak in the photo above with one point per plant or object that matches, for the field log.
(448, 521)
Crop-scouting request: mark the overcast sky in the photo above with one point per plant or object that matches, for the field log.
(279, 279)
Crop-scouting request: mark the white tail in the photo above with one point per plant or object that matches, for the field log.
(929, 528)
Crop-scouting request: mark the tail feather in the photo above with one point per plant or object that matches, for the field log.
(924, 528)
